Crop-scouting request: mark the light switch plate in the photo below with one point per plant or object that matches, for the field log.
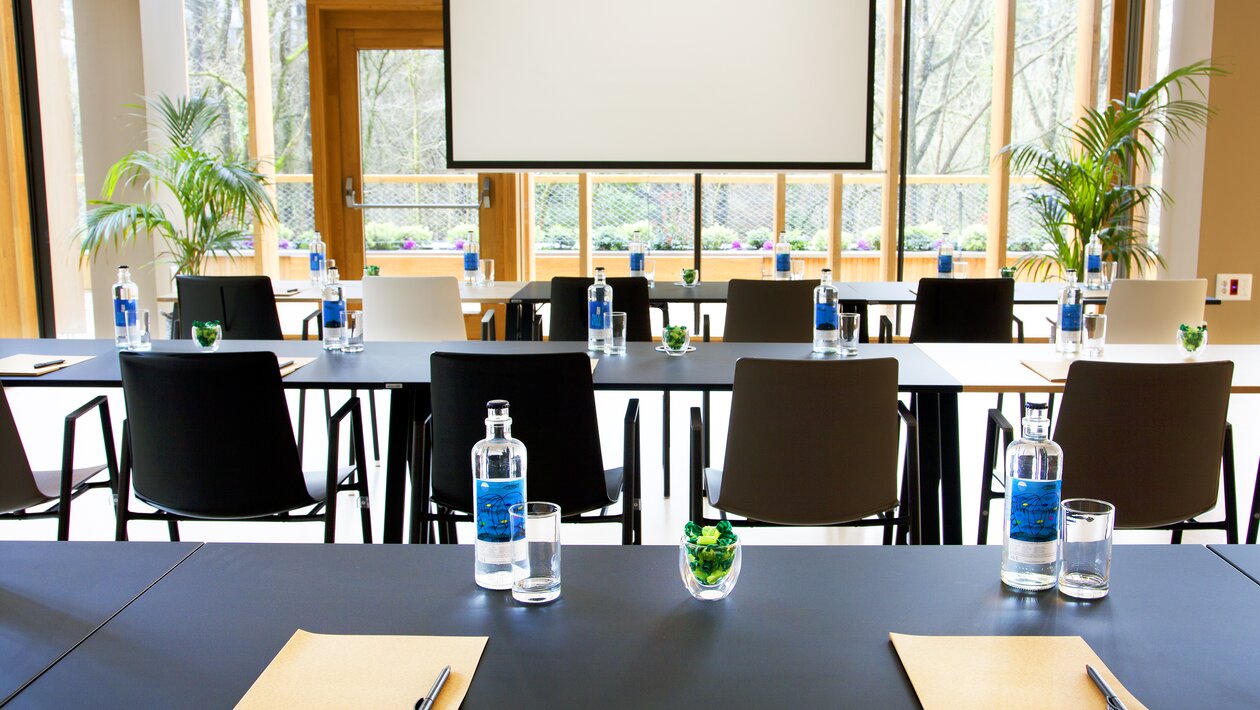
(1233, 287)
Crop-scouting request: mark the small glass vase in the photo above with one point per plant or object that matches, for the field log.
(675, 340)
(207, 336)
(690, 277)
(1192, 340)
(709, 572)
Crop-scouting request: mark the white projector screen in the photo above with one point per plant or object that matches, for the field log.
(659, 84)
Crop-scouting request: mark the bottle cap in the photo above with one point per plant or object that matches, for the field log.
(826, 271)
(497, 406)
(332, 263)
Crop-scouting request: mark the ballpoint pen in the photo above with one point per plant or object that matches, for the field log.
(427, 701)
(47, 363)
(1113, 700)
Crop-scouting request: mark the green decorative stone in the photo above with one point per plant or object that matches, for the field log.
(714, 555)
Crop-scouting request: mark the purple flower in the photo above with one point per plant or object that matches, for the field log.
(247, 244)
(935, 244)
(459, 245)
(736, 245)
(863, 245)
(286, 244)
(768, 246)
(409, 244)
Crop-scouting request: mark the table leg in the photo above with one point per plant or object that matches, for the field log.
(951, 483)
(512, 321)
(927, 411)
(404, 410)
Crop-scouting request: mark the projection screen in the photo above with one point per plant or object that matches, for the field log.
(659, 84)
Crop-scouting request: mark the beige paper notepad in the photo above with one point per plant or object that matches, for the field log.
(335, 671)
(1051, 370)
(1005, 672)
(295, 363)
(24, 365)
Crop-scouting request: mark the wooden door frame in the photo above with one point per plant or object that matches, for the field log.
(331, 27)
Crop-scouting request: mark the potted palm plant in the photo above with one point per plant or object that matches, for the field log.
(1086, 180)
(218, 194)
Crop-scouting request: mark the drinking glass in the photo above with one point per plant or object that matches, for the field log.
(690, 277)
(674, 339)
(798, 269)
(767, 269)
(207, 335)
(709, 572)
(145, 341)
(354, 333)
(1109, 270)
(850, 327)
(649, 271)
(1094, 332)
(1085, 531)
(485, 276)
(617, 343)
(960, 268)
(535, 528)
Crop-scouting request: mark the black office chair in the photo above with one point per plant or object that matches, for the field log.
(22, 488)
(787, 466)
(1149, 438)
(207, 437)
(552, 401)
(245, 305)
(965, 311)
(630, 296)
(777, 312)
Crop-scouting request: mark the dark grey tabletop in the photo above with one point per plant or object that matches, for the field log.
(55, 594)
(805, 626)
(1245, 557)
(711, 366)
(536, 292)
(903, 292)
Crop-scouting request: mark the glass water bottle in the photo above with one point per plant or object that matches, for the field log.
(498, 463)
(319, 270)
(126, 326)
(826, 316)
(945, 258)
(638, 253)
(1071, 300)
(1034, 480)
(599, 298)
(472, 259)
(334, 310)
(1093, 264)
(782, 258)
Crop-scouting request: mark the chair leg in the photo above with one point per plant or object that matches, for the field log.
(888, 529)
(1176, 537)
(172, 527)
(665, 404)
(1231, 490)
(376, 434)
(121, 498)
(301, 428)
(986, 489)
(1253, 523)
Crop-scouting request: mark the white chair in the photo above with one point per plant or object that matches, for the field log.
(1149, 311)
(415, 308)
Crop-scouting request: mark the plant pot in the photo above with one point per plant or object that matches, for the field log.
(207, 336)
(709, 572)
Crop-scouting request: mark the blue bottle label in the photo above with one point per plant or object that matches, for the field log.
(317, 261)
(1035, 510)
(826, 317)
(494, 499)
(1094, 263)
(1070, 317)
(470, 261)
(636, 261)
(124, 312)
(334, 314)
(945, 264)
(782, 262)
(599, 315)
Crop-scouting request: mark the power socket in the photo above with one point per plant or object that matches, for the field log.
(1233, 287)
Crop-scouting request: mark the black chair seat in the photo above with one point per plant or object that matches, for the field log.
(49, 482)
(317, 481)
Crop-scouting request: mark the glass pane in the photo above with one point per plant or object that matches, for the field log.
(807, 201)
(660, 207)
(1042, 102)
(861, 228)
(291, 104)
(555, 227)
(402, 126)
(737, 213)
(950, 93)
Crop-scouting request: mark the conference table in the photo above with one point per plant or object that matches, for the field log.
(292, 291)
(803, 627)
(403, 370)
(1246, 558)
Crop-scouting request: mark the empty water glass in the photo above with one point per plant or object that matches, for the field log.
(850, 328)
(617, 343)
(354, 333)
(535, 552)
(1109, 271)
(1085, 531)
(485, 276)
(649, 271)
(1093, 333)
(798, 269)
(960, 268)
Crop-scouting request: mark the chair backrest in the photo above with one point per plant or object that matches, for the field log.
(415, 308)
(1144, 437)
(796, 455)
(777, 312)
(569, 310)
(17, 485)
(210, 435)
(245, 305)
(963, 311)
(1140, 311)
(552, 404)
